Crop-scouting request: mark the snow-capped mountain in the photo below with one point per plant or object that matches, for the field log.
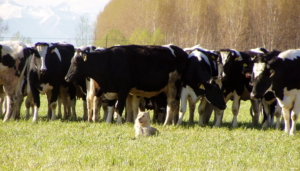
(45, 23)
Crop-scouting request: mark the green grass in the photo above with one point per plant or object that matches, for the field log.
(66, 145)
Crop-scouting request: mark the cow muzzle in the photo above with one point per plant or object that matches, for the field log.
(253, 96)
(67, 79)
(43, 71)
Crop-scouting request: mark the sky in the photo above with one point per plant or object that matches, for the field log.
(92, 6)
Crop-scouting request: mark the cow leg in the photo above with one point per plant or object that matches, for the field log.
(255, 112)
(36, 101)
(286, 116)
(277, 113)
(49, 94)
(110, 110)
(294, 114)
(135, 106)
(219, 115)
(59, 114)
(73, 109)
(17, 105)
(129, 111)
(96, 108)
(72, 101)
(2, 99)
(28, 104)
(89, 100)
(85, 110)
(121, 104)
(184, 98)
(64, 99)
(192, 107)
(142, 104)
(201, 110)
(235, 109)
(171, 102)
(266, 113)
(105, 109)
(209, 108)
(10, 105)
(53, 101)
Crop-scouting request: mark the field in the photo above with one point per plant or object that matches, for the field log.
(66, 145)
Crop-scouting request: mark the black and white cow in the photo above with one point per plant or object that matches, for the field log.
(279, 73)
(199, 81)
(94, 95)
(235, 85)
(144, 71)
(13, 58)
(48, 66)
(269, 103)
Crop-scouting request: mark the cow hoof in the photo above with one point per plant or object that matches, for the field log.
(53, 118)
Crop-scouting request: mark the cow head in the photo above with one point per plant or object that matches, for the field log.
(42, 51)
(227, 59)
(76, 69)
(264, 71)
(214, 95)
(203, 68)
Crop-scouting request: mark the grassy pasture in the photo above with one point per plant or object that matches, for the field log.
(66, 145)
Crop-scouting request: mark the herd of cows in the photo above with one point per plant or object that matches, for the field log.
(162, 78)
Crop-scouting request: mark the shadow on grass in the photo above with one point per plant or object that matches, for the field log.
(184, 125)
(228, 125)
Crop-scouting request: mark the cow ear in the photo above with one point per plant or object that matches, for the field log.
(53, 49)
(84, 57)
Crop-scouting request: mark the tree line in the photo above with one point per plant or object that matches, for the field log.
(236, 24)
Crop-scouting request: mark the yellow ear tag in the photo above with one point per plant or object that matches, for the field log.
(224, 91)
(245, 65)
(213, 57)
(202, 87)
(52, 50)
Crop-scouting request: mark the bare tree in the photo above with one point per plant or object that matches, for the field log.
(3, 28)
(84, 33)
(19, 37)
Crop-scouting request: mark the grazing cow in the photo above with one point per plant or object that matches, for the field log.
(144, 71)
(48, 66)
(235, 84)
(13, 58)
(278, 73)
(198, 81)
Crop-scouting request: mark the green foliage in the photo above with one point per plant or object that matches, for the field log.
(111, 38)
(143, 37)
(140, 36)
(66, 145)
(158, 37)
